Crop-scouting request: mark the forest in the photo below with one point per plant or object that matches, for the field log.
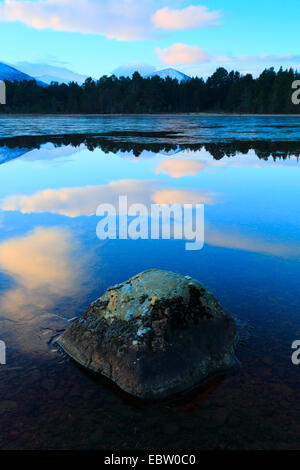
(222, 92)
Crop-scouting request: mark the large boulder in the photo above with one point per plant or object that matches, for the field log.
(156, 334)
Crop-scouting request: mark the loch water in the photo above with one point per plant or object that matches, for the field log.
(54, 172)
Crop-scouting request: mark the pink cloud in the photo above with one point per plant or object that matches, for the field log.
(187, 18)
(180, 168)
(182, 54)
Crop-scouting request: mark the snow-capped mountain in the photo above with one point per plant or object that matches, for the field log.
(50, 73)
(172, 73)
(171, 153)
(50, 152)
(10, 73)
(7, 154)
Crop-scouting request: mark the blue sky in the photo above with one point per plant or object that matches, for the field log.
(99, 37)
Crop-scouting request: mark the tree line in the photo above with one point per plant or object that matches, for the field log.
(108, 143)
(222, 92)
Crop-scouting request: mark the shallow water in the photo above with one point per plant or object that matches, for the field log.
(193, 128)
(52, 266)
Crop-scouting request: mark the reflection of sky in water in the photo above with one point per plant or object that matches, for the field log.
(52, 266)
(42, 264)
(49, 198)
(251, 204)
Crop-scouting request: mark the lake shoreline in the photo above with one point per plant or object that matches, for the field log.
(150, 115)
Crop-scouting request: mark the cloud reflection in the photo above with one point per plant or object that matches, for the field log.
(44, 269)
(181, 196)
(238, 241)
(192, 163)
(179, 168)
(83, 201)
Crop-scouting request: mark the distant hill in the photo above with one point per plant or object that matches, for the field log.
(172, 73)
(8, 154)
(11, 74)
(50, 73)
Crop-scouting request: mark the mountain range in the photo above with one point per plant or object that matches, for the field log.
(10, 73)
(7, 154)
(51, 73)
(172, 73)
(44, 74)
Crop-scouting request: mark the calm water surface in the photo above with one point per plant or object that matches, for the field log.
(52, 266)
(192, 128)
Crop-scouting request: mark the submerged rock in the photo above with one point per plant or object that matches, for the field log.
(157, 334)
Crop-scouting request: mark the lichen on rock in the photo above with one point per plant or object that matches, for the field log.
(154, 335)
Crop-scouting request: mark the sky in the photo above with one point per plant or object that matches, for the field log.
(98, 38)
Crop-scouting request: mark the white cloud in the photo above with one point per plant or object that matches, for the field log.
(180, 168)
(182, 196)
(45, 267)
(50, 248)
(182, 54)
(83, 201)
(123, 20)
(191, 163)
(238, 241)
(79, 201)
(187, 18)
(115, 19)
